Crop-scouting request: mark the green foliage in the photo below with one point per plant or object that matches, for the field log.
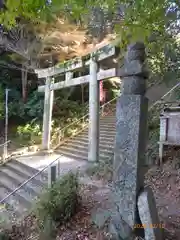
(30, 132)
(72, 121)
(138, 18)
(177, 94)
(163, 61)
(28, 9)
(115, 92)
(33, 108)
(59, 203)
(68, 109)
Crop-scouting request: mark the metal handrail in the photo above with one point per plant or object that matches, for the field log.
(28, 180)
(1, 145)
(78, 120)
(86, 115)
(166, 94)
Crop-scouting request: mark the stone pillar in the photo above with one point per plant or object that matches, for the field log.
(130, 142)
(47, 116)
(93, 151)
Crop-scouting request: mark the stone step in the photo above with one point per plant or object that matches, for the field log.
(103, 138)
(13, 181)
(77, 143)
(84, 143)
(108, 121)
(22, 166)
(70, 155)
(16, 168)
(78, 155)
(29, 171)
(109, 116)
(21, 178)
(83, 149)
(17, 202)
(103, 133)
(109, 127)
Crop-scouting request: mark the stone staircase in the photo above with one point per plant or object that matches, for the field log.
(77, 147)
(14, 173)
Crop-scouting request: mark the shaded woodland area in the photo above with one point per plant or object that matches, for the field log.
(17, 74)
(28, 46)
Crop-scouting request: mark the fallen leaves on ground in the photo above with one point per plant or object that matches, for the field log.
(165, 183)
(79, 228)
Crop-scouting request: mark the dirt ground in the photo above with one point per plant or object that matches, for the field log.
(80, 227)
(165, 183)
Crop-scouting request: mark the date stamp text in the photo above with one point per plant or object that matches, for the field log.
(153, 225)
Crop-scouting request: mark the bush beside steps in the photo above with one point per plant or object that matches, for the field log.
(55, 207)
(58, 204)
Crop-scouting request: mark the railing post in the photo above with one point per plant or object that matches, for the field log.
(52, 175)
(6, 126)
(93, 151)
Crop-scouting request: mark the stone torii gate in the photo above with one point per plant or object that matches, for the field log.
(101, 66)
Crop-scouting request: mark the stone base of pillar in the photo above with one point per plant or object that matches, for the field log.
(149, 216)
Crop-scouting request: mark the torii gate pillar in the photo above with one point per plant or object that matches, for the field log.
(47, 117)
(93, 150)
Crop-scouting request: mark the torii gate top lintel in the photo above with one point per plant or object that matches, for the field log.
(106, 53)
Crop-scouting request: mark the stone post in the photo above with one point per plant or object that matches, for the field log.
(129, 219)
(130, 142)
(52, 175)
(93, 151)
(47, 116)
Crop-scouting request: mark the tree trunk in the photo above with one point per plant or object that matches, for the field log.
(24, 83)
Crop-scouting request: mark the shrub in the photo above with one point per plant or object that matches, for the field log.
(30, 132)
(59, 203)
